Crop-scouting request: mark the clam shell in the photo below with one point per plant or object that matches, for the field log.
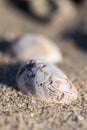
(46, 82)
(36, 46)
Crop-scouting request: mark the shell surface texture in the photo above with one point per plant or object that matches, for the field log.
(46, 82)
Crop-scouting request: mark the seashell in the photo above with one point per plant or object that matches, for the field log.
(45, 82)
(36, 46)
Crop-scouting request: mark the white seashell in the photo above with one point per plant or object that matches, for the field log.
(46, 82)
(36, 46)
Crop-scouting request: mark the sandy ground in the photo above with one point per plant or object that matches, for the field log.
(20, 112)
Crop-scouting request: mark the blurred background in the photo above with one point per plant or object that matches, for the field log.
(53, 18)
(58, 20)
(48, 17)
(62, 21)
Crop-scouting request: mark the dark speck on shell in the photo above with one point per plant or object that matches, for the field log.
(46, 82)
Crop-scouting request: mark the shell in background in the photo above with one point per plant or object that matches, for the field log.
(45, 82)
(35, 7)
(38, 47)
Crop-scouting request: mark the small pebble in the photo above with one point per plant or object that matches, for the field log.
(41, 10)
(35, 7)
(45, 82)
(36, 46)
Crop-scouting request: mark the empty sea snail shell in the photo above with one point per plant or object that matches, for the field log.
(46, 82)
(36, 46)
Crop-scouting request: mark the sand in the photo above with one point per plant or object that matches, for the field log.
(19, 111)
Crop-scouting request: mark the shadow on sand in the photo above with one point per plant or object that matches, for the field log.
(8, 74)
(79, 37)
(8, 71)
(4, 45)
